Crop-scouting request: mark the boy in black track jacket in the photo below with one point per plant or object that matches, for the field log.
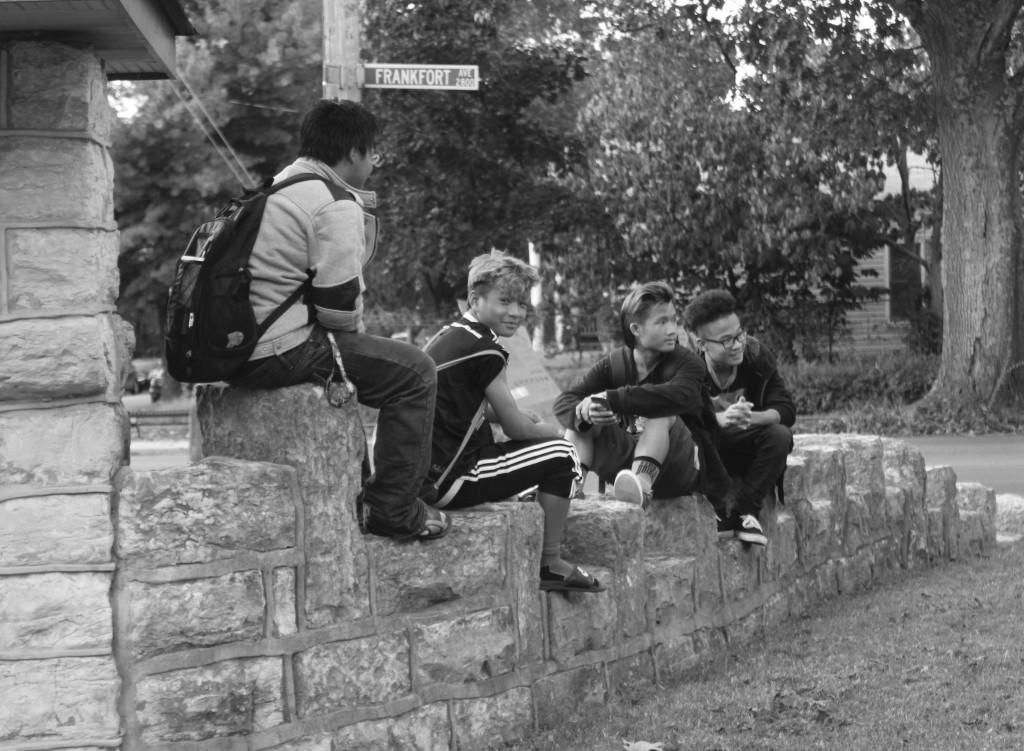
(753, 407)
(467, 466)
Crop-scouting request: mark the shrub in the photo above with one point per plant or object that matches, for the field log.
(827, 387)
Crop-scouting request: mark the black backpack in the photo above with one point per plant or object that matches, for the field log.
(211, 329)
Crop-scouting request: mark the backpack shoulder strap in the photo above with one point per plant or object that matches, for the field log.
(478, 418)
(620, 366)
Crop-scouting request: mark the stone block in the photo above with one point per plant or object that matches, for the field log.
(815, 530)
(903, 467)
(55, 180)
(423, 729)
(580, 623)
(708, 595)
(783, 550)
(471, 560)
(194, 613)
(284, 618)
(603, 533)
(709, 640)
(293, 426)
(323, 742)
(55, 611)
(491, 720)
(896, 498)
(976, 497)
(776, 609)
(208, 511)
(465, 648)
(46, 358)
(975, 533)
(63, 528)
(940, 504)
(230, 698)
(854, 573)
(337, 564)
(857, 528)
(629, 589)
(351, 673)
(674, 657)
(567, 692)
(740, 566)
(73, 445)
(525, 537)
(743, 628)
(51, 703)
(1009, 515)
(825, 584)
(632, 672)
(818, 470)
(682, 526)
(887, 558)
(54, 86)
(61, 268)
(669, 601)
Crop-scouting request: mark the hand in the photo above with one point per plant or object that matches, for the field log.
(736, 415)
(596, 410)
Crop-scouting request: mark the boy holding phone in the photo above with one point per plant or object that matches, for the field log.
(635, 415)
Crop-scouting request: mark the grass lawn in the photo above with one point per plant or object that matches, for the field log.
(930, 660)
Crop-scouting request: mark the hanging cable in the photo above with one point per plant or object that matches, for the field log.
(222, 147)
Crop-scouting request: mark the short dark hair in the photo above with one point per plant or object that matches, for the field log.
(638, 303)
(332, 129)
(707, 307)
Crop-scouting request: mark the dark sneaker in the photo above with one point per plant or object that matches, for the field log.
(629, 489)
(728, 526)
(749, 531)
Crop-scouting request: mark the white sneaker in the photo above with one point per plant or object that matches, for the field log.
(629, 489)
(750, 531)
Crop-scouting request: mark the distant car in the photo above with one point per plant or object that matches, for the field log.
(142, 367)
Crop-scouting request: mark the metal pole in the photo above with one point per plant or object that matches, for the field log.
(342, 43)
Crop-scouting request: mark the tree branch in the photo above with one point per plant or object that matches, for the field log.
(912, 10)
(997, 30)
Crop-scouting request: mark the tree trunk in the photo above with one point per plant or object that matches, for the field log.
(979, 143)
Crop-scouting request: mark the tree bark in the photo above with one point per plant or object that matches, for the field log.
(979, 139)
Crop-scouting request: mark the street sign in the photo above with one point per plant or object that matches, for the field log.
(436, 77)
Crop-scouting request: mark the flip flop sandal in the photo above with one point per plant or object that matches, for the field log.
(576, 580)
(432, 529)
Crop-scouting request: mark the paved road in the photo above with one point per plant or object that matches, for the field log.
(993, 460)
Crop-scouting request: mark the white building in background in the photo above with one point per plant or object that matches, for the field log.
(877, 326)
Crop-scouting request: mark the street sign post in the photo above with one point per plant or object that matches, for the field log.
(436, 77)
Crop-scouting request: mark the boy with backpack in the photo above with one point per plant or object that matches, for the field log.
(322, 230)
(637, 416)
(468, 467)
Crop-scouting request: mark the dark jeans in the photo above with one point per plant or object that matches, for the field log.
(394, 377)
(757, 458)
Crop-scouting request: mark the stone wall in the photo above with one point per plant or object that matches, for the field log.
(250, 614)
(63, 431)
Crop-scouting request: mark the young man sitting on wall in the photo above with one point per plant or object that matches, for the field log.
(754, 409)
(635, 415)
(468, 467)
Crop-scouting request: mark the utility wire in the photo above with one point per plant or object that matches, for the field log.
(222, 147)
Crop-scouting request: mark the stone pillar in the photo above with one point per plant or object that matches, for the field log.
(63, 431)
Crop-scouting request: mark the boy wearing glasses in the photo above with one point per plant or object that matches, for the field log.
(754, 409)
(637, 416)
(323, 230)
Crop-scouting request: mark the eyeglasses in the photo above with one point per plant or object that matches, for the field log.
(740, 337)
